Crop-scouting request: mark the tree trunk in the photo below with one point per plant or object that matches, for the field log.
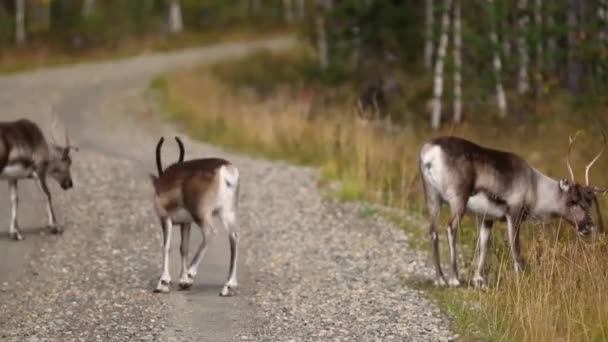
(20, 22)
(439, 63)
(538, 20)
(176, 24)
(300, 9)
(428, 34)
(551, 44)
(497, 63)
(574, 66)
(88, 7)
(321, 30)
(288, 11)
(457, 63)
(523, 83)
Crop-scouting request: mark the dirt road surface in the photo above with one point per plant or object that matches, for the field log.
(310, 269)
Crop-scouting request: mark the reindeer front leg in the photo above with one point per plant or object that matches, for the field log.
(41, 180)
(14, 231)
(513, 224)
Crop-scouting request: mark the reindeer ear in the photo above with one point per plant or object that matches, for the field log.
(564, 185)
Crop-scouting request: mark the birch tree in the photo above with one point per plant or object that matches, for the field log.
(428, 34)
(523, 83)
(176, 24)
(88, 7)
(288, 11)
(300, 9)
(20, 22)
(439, 65)
(457, 62)
(496, 62)
(538, 20)
(574, 67)
(321, 32)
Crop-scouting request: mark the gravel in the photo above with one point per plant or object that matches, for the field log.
(311, 269)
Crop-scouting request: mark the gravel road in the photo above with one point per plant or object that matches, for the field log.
(311, 269)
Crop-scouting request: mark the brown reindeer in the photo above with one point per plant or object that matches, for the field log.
(496, 185)
(25, 153)
(198, 191)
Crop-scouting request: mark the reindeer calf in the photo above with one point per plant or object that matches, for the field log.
(25, 153)
(500, 186)
(196, 191)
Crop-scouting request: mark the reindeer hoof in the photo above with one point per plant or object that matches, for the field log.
(454, 282)
(163, 286)
(185, 284)
(55, 229)
(440, 282)
(228, 291)
(16, 236)
(480, 283)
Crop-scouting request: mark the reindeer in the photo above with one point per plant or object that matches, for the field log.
(198, 191)
(25, 153)
(500, 186)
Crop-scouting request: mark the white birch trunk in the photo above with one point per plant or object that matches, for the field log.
(88, 7)
(501, 98)
(439, 64)
(457, 62)
(20, 22)
(602, 14)
(256, 6)
(288, 11)
(300, 9)
(538, 19)
(428, 34)
(322, 46)
(176, 24)
(523, 83)
(551, 44)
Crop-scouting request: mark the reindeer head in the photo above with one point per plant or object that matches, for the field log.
(577, 199)
(60, 162)
(59, 166)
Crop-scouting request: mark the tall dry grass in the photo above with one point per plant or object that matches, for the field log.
(562, 295)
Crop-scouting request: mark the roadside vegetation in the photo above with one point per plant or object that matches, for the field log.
(42, 33)
(282, 106)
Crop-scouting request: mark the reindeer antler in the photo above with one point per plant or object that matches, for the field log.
(571, 140)
(595, 159)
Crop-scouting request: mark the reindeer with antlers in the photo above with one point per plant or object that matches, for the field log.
(498, 186)
(199, 191)
(25, 153)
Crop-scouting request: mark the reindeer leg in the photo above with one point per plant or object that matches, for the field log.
(229, 221)
(484, 237)
(14, 231)
(434, 207)
(165, 279)
(184, 281)
(206, 232)
(457, 212)
(513, 224)
(41, 180)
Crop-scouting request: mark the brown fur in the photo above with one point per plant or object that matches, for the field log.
(181, 184)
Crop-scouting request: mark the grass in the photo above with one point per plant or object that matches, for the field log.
(560, 297)
(39, 54)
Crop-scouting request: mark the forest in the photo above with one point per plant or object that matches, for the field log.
(369, 82)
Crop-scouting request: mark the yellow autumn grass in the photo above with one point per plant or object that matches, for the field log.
(562, 295)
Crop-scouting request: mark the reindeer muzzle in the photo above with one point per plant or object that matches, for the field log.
(67, 184)
(585, 229)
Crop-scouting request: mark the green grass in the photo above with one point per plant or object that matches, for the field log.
(560, 298)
